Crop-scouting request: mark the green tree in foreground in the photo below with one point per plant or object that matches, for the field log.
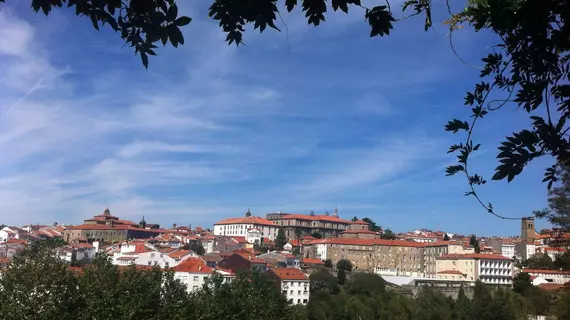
(474, 243)
(38, 286)
(372, 226)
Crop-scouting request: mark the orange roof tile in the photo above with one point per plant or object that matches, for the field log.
(545, 271)
(247, 220)
(550, 286)
(179, 254)
(109, 227)
(362, 222)
(193, 265)
(289, 274)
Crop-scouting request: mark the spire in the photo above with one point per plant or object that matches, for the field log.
(142, 223)
(107, 212)
(335, 212)
(248, 213)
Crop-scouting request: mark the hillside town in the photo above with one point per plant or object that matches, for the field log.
(287, 247)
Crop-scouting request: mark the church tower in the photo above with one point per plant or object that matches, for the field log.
(528, 233)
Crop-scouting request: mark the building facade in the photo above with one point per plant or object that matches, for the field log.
(552, 276)
(242, 226)
(385, 257)
(294, 284)
(108, 228)
(194, 272)
(434, 250)
(488, 268)
(329, 226)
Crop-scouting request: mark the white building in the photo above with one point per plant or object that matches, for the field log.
(193, 273)
(139, 253)
(552, 276)
(525, 250)
(241, 226)
(488, 268)
(294, 284)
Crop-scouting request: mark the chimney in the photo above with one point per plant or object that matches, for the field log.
(200, 268)
(174, 226)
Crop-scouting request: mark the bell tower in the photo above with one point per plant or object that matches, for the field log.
(528, 233)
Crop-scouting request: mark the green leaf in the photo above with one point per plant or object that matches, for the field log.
(456, 125)
(182, 21)
(144, 59)
(380, 21)
(291, 4)
(172, 13)
(94, 21)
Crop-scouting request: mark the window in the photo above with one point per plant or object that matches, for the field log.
(149, 263)
(196, 278)
(299, 292)
(304, 300)
(195, 288)
(298, 300)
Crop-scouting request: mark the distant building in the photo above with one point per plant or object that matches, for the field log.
(385, 257)
(248, 226)
(552, 276)
(359, 229)
(488, 268)
(293, 283)
(506, 247)
(434, 250)
(305, 224)
(108, 228)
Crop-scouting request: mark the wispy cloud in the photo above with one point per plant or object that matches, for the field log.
(210, 130)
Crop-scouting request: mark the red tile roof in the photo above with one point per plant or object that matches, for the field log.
(82, 245)
(312, 261)
(247, 220)
(362, 222)
(179, 254)
(545, 271)
(359, 231)
(193, 265)
(289, 274)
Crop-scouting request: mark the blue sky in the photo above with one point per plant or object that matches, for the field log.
(302, 120)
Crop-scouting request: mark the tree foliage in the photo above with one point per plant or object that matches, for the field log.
(280, 240)
(344, 264)
(316, 234)
(372, 226)
(474, 243)
(40, 286)
(388, 235)
(558, 211)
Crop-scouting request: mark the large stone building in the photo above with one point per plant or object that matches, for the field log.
(387, 257)
(330, 226)
(108, 228)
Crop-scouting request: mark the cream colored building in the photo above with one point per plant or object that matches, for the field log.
(434, 250)
(488, 268)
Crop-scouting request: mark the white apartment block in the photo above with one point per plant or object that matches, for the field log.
(194, 272)
(294, 284)
(240, 227)
(488, 268)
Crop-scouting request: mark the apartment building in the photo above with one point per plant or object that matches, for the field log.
(294, 284)
(434, 250)
(304, 224)
(506, 247)
(488, 268)
(194, 272)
